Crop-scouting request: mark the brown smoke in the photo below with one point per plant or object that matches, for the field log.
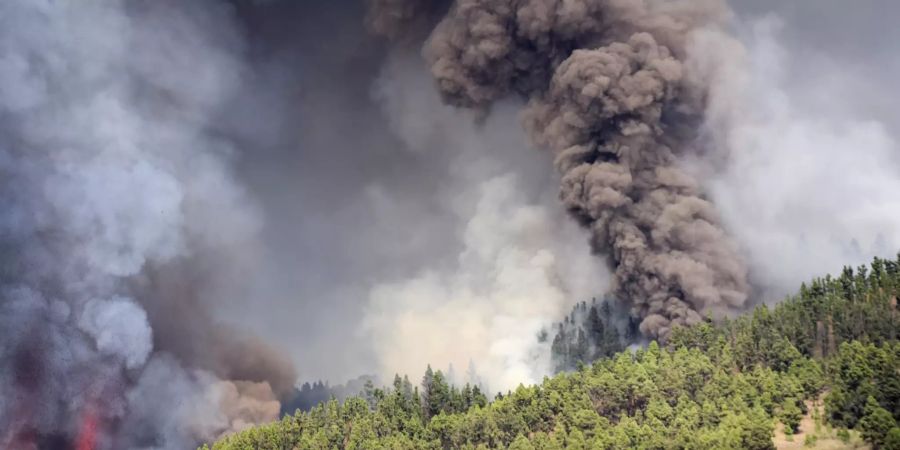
(608, 94)
(186, 328)
(245, 404)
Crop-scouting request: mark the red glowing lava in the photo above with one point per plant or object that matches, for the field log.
(87, 434)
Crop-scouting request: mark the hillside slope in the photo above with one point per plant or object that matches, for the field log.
(722, 386)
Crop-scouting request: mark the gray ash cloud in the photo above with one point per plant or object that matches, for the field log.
(112, 177)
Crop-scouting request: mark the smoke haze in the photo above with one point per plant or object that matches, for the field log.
(205, 200)
(808, 187)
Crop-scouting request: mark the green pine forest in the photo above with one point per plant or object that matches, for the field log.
(738, 384)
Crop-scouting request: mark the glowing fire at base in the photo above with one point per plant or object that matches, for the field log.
(87, 433)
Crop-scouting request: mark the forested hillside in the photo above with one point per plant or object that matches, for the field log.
(722, 386)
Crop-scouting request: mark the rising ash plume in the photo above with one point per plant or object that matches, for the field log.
(119, 208)
(611, 93)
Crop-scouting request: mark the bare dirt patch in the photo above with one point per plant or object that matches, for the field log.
(813, 429)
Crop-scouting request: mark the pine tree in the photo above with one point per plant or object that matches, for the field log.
(596, 333)
(427, 392)
(892, 440)
(876, 424)
(791, 415)
(582, 348)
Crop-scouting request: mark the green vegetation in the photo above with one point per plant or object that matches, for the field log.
(711, 386)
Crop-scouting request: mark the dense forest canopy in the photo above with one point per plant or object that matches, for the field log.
(726, 385)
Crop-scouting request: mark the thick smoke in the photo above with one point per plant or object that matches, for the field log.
(512, 278)
(119, 204)
(610, 95)
(352, 215)
(520, 263)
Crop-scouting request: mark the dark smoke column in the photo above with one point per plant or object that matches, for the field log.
(608, 92)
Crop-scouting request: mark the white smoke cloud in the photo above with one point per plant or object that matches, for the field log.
(512, 280)
(120, 328)
(520, 264)
(111, 170)
(135, 214)
(805, 190)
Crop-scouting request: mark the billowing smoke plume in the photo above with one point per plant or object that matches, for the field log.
(119, 210)
(610, 94)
